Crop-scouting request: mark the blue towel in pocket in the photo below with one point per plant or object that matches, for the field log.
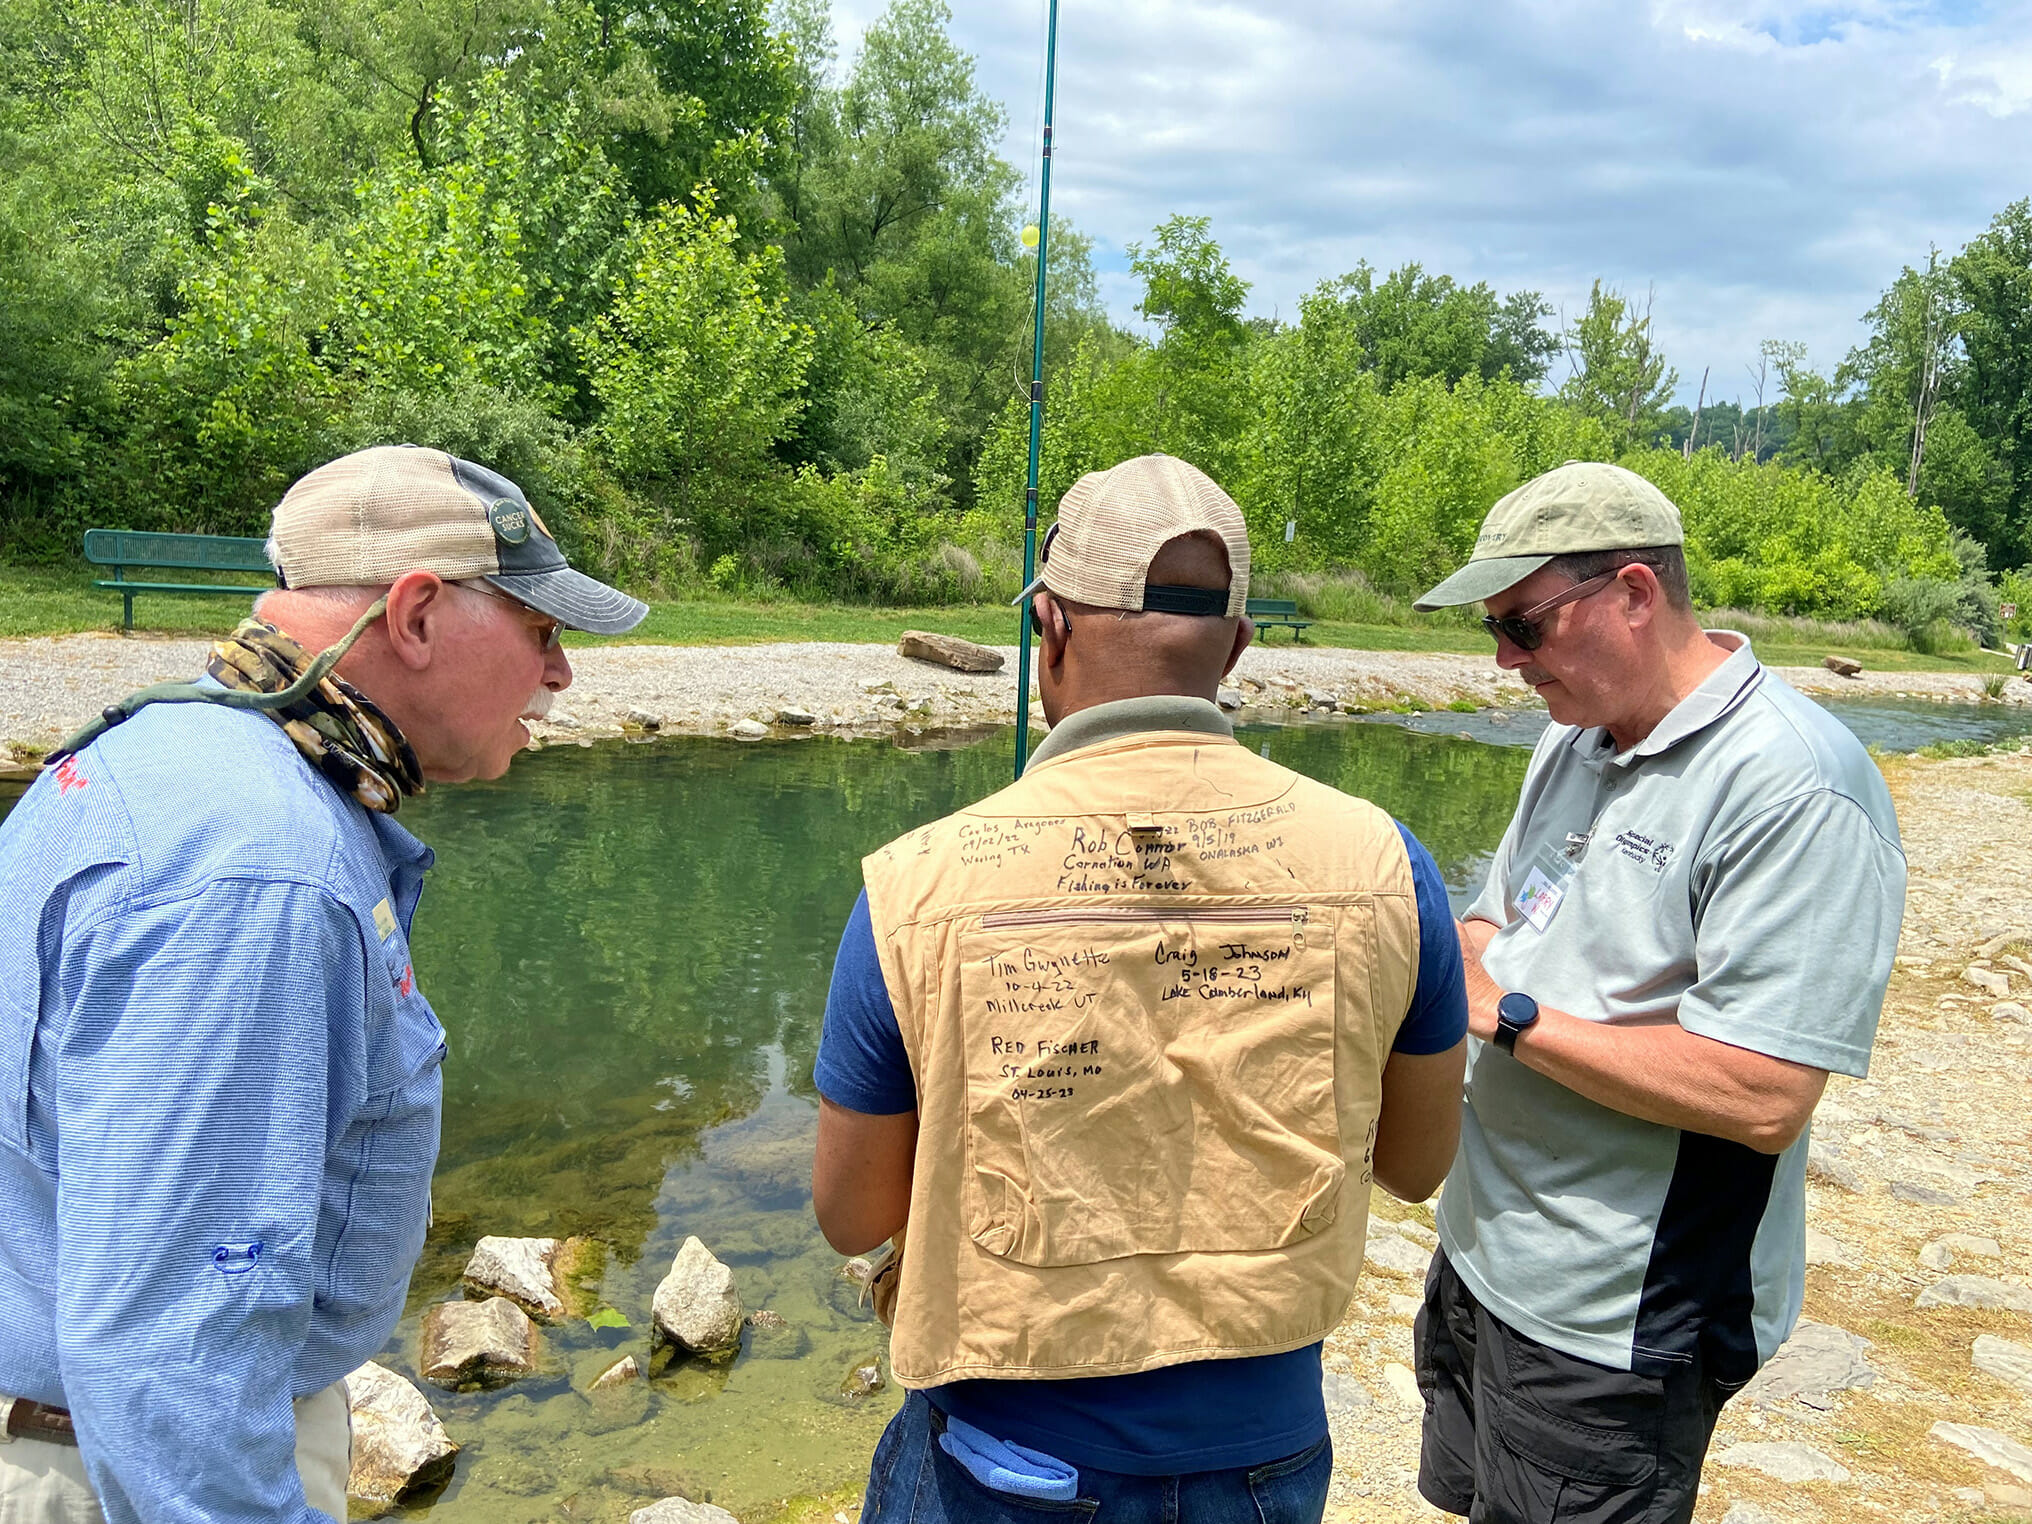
(1005, 1467)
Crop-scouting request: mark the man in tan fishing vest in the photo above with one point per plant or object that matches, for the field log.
(1123, 1047)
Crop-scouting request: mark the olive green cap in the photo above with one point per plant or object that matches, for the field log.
(1579, 507)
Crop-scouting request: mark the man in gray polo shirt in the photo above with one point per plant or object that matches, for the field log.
(1689, 924)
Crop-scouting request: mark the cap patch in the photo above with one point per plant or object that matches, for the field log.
(510, 521)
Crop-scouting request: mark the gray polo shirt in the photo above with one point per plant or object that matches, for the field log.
(1738, 871)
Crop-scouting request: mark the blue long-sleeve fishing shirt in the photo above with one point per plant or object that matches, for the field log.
(219, 1104)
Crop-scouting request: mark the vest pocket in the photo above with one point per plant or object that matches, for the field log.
(1149, 1080)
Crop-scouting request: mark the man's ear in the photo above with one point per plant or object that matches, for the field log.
(1055, 625)
(1245, 631)
(1643, 597)
(418, 606)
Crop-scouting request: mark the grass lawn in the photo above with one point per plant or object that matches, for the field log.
(62, 601)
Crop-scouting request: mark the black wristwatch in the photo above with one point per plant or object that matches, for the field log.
(1514, 1012)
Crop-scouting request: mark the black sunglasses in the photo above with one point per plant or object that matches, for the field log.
(1526, 631)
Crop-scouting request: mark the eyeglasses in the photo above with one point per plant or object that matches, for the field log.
(1526, 631)
(548, 630)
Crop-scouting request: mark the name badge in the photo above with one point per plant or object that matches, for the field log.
(384, 920)
(1547, 878)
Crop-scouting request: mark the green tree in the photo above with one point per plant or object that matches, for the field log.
(1992, 281)
(1619, 375)
(1412, 324)
(698, 368)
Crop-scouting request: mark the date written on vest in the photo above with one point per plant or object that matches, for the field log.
(1033, 982)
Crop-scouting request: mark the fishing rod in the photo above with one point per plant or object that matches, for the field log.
(1036, 406)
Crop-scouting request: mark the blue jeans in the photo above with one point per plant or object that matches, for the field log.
(913, 1481)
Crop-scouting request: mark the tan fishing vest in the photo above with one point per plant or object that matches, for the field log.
(1147, 994)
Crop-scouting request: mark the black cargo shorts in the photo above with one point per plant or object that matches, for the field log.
(1519, 1433)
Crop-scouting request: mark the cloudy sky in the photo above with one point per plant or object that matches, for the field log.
(1768, 168)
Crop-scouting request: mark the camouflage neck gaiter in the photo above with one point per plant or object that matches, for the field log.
(336, 726)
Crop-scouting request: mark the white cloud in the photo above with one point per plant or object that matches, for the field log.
(1768, 167)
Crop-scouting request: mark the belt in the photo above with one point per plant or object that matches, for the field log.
(34, 1420)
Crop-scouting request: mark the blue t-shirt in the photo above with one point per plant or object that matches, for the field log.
(1199, 1416)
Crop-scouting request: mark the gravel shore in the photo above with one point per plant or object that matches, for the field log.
(49, 686)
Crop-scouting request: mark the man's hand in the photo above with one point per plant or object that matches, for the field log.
(1483, 992)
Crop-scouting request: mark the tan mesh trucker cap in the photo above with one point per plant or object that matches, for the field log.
(1579, 507)
(1112, 523)
(368, 517)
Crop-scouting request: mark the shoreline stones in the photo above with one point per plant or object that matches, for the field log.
(1818, 1361)
(1788, 1462)
(536, 1274)
(948, 651)
(1397, 1256)
(477, 1343)
(696, 1307)
(1976, 1291)
(2008, 1362)
(1987, 1446)
(399, 1446)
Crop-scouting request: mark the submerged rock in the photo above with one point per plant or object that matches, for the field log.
(681, 1511)
(763, 1318)
(864, 1380)
(948, 651)
(400, 1448)
(477, 1343)
(696, 1307)
(619, 1374)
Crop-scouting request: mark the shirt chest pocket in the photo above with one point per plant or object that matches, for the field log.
(404, 1038)
(1148, 1081)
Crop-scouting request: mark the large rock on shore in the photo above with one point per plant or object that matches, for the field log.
(400, 1448)
(477, 1343)
(696, 1307)
(948, 651)
(536, 1274)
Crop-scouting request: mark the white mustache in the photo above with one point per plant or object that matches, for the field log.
(539, 704)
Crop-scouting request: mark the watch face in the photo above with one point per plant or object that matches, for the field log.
(1517, 1008)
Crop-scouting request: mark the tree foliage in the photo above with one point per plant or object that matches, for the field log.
(737, 310)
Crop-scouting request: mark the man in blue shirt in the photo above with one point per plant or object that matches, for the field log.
(1080, 1147)
(219, 1088)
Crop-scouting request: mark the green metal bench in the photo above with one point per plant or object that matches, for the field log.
(129, 549)
(1277, 611)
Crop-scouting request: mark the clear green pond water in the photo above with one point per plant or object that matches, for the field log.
(629, 947)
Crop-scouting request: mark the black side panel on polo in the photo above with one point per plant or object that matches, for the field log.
(1698, 1297)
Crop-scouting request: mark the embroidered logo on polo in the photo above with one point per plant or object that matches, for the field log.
(510, 521)
(1648, 850)
(68, 777)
